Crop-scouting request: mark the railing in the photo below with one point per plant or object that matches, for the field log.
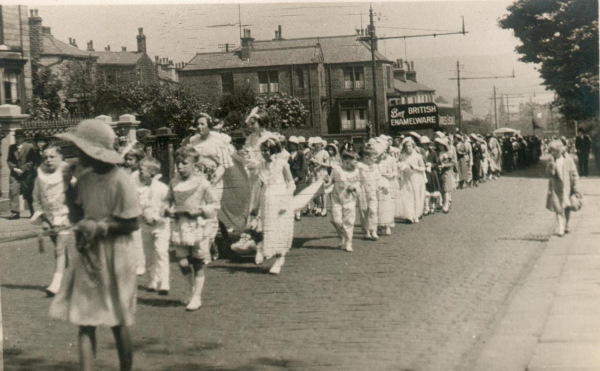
(49, 128)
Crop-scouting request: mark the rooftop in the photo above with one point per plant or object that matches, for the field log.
(117, 58)
(328, 50)
(53, 46)
(409, 86)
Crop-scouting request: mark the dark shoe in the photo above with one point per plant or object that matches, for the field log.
(163, 292)
(14, 216)
(150, 289)
(50, 294)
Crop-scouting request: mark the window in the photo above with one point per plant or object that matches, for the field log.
(268, 82)
(300, 78)
(227, 83)
(354, 118)
(354, 78)
(11, 94)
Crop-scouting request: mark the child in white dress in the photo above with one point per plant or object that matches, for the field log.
(346, 185)
(370, 181)
(156, 229)
(318, 162)
(191, 206)
(274, 204)
(50, 207)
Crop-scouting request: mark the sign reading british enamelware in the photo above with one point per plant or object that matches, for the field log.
(413, 116)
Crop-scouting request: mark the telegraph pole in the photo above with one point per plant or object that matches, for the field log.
(373, 38)
(459, 103)
(373, 67)
(495, 109)
(474, 78)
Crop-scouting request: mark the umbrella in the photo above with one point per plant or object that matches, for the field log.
(502, 131)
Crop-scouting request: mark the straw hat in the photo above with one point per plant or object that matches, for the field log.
(425, 140)
(415, 135)
(96, 139)
(294, 139)
(439, 134)
(442, 142)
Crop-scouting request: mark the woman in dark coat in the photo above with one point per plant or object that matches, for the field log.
(477, 159)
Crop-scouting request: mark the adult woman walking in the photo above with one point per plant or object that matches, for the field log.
(563, 184)
(464, 159)
(411, 169)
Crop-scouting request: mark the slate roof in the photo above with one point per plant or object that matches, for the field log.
(118, 58)
(409, 86)
(53, 46)
(332, 50)
(259, 58)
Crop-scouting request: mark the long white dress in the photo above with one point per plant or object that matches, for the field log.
(411, 196)
(387, 199)
(276, 191)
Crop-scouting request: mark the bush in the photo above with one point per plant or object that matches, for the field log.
(285, 111)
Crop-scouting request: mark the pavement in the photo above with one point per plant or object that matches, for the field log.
(449, 293)
(552, 322)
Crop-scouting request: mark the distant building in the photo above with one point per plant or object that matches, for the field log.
(466, 104)
(15, 55)
(122, 67)
(406, 88)
(331, 76)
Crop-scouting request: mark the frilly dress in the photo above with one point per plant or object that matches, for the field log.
(102, 293)
(412, 188)
(276, 190)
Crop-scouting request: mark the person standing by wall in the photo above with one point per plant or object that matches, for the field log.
(583, 145)
(20, 163)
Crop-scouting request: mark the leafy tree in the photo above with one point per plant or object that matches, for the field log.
(285, 111)
(79, 82)
(441, 99)
(46, 103)
(562, 37)
(235, 107)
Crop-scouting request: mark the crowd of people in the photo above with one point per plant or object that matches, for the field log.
(113, 200)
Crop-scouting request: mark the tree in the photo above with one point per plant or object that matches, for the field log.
(562, 37)
(235, 107)
(79, 82)
(441, 99)
(285, 111)
(46, 102)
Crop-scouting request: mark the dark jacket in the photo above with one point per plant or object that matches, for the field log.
(298, 166)
(23, 160)
(583, 145)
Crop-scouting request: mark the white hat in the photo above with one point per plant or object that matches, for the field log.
(443, 142)
(415, 134)
(293, 139)
(439, 134)
(301, 139)
(424, 139)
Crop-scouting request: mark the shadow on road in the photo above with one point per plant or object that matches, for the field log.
(164, 303)
(254, 365)
(24, 287)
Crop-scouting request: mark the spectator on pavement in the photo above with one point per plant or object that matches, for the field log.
(20, 163)
(564, 182)
(583, 145)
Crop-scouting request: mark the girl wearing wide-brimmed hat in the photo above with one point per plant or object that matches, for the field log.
(100, 289)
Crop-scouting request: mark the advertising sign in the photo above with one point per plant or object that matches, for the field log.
(413, 117)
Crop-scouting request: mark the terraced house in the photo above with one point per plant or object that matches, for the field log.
(332, 76)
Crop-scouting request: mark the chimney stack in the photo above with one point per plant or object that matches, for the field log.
(123, 48)
(411, 74)
(279, 32)
(75, 43)
(36, 34)
(141, 41)
(247, 45)
(90, 46)
(399, 71)
(70, 41)
(227, 48)
(107, 48)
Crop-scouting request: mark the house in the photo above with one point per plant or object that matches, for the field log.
(331, 76)
(15, 55)
(122, 67)
(406, 88)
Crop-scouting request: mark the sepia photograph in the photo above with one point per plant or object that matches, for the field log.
(299, 185)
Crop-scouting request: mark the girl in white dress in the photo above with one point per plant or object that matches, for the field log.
(274, 204)
(387, 200)
(411, 169)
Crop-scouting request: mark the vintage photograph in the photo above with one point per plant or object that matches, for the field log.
(248, 186)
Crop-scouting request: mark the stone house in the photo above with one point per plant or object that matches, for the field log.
(15, 55)
(332, 76)
(407, 89)
(121, 67)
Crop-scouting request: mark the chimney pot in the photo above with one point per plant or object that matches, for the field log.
(108, 47)
(31, 12)
(279, 31)
(123, 48)
(70, 41)
(36, 12)
(141, 30)
(412, 66)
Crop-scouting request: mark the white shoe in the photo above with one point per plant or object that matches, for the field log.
(374, 236)
(349, 247)
(259, 258)
(140, 271)
(387, 231)
(55, 285)
(195, 303)
(276, 268)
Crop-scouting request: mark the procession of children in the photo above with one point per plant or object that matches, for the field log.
(115, 202)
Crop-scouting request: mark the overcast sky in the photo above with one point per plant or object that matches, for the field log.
(180, 31)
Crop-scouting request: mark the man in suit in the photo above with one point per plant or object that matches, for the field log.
(583, 145)
(20, 163)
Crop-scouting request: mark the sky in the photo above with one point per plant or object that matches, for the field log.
(178, 31)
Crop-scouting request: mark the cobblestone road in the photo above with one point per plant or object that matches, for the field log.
(424, 298)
